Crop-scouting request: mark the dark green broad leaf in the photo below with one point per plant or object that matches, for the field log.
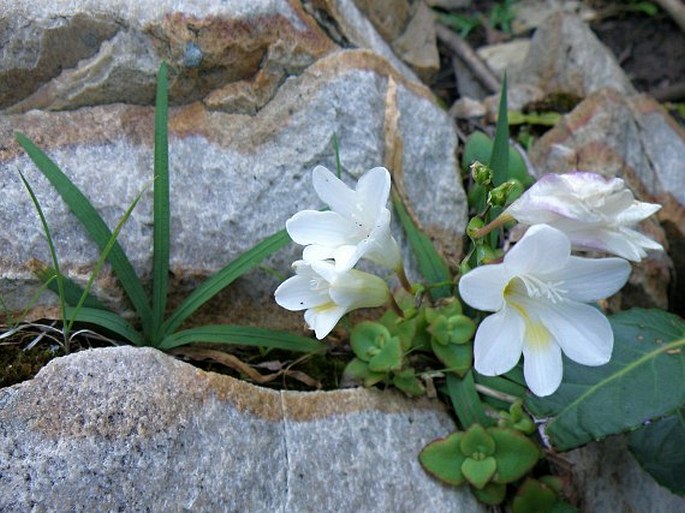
(659, 447)
(645, 379)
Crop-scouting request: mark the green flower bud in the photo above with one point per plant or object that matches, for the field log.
(481, 174)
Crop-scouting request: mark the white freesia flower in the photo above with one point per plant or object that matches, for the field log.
(594, 212)
(538, 293)
(358, 224)
(327, 293)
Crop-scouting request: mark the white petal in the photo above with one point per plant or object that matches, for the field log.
(483, 287)
(373, 190)
(315, 252)
(582, 331)
(541, 250)
(592, 279)
(636, 212)
(641, 240)
(498, 342)
(323, 228)
(326, 270)
(323, 319)
(333, 192)
(380, 246)
(542, 367)
(356, 289)
(296, 293)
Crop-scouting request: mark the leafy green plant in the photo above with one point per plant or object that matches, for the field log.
(156, 329)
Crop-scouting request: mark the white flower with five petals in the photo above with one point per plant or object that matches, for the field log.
(538, 294)
(357, 226)
(327, 293)
(596, 213)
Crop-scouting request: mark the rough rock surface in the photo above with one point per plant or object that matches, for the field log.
(565, 56)
(260, 89)
(631, 137)
(608, 478)
(133, 429)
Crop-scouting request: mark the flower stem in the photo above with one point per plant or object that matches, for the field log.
(500, 220)
(402, 275)
(496, 394)
(396, 308)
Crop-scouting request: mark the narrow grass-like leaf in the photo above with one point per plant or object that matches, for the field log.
(499, 160)
(160, 250)
(466, 401)
(103, 257)
(72, 290)
(53, 256)
(221, 279)
(431, 264)
(645, 379)
(94, 225)
(336, 149)
(242, 335)
(108, 320)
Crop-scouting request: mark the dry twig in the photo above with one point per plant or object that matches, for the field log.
(469, 57)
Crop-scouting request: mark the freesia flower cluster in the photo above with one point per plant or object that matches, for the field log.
(539, 292)
(357, 226)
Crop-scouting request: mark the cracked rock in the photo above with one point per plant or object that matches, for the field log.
(133, 429)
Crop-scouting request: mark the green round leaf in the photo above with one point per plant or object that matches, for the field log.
(407, 381)
(358, 371)
(515, 453)
(388, 358)
(491, 493)
(367, 338)
(476, 440)
(458, 358)
(534, 497)
(478, 472)
(443, 459)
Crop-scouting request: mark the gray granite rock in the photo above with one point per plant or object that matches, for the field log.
(126, 429)
(608, 478)
(260, 88)
(565, 56)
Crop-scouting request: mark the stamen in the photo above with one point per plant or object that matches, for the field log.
(535, 287)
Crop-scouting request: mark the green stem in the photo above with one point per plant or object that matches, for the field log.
(499, 221)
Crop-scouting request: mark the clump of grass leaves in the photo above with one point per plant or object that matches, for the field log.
(156, 329)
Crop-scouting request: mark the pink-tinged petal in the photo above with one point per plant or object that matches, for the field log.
(498, 343)
(588, 279)
(296, 293)
(582, 331)
(373, 190)
(322, 228)
(324, 318)
(541, 250)
(483, 287)
(542, 367)
(333, 192)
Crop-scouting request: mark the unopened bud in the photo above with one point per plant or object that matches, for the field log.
(505, 193)
(481, 173)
